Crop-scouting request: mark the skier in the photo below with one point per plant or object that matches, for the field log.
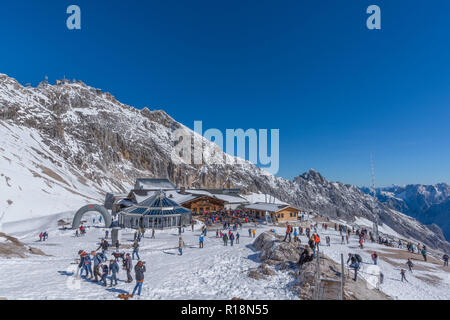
(445, 258)
(136, 249)
(139, 270)
(374, 258)
(113, 270)
(128, 267)
(201, 239)
(409, 264)
(180, 246)
(402, 272)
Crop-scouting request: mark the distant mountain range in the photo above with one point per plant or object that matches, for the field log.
(430, 204)
(65, 145)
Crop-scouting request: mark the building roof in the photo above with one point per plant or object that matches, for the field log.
(153, 184)
(157, 204)
(270, 207)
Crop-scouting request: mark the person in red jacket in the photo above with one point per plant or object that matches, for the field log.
(288, 232)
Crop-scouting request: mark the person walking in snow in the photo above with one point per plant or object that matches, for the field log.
(424, 253)
(136, 249)
(128, 264)
(97, 264)
(402, 272)
(249, 232)
(180, 246)
(374, 258)
(201, 239)
(312, 245)
(288, 233)
(354, 264)
(117, 246)
(342, 240)
(104, 245)
(153, 234)
(105, 274)
(445, 258)
(328, 240)
(231, 239)
(225, 239)
(238, 235)
(113, 270)
(87, 265)
(106, 234)
(217, 233)
(139, 270)
(409, 264)
(40, 236)
(254, 233)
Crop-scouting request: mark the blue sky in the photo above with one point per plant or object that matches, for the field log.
(336, 90)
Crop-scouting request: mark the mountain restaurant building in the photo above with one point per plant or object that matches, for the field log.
(277, 212)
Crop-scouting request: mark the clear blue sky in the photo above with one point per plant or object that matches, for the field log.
(336, 90)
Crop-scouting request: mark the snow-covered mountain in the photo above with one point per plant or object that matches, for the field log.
(68, 144)
(430, 204)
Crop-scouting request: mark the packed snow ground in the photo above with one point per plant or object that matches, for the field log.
(215, 272)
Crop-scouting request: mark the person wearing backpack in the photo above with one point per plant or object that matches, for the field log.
(355, 260)
(402, 272)
(225, 239)
(424, 253)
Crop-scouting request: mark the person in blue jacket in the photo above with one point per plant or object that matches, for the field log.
(105, 274)
(201, 240)
(113, 270)
(86, 264)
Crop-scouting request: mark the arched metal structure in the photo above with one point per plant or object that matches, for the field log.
(92, 207)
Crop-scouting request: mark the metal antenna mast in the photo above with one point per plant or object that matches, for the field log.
(372, 172)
